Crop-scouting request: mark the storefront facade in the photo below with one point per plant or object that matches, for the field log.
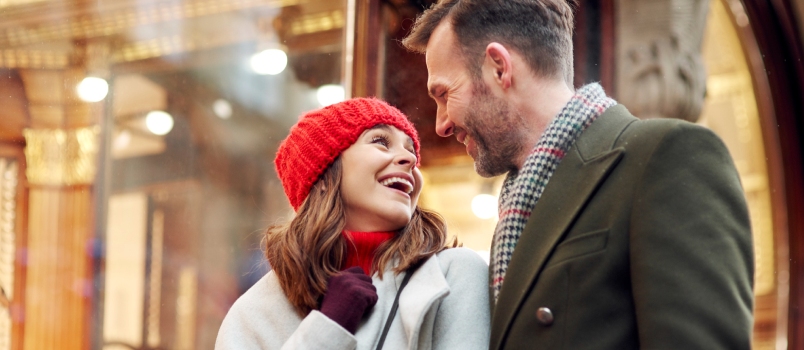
(137, 142)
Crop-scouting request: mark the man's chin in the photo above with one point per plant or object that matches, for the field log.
(485, 170)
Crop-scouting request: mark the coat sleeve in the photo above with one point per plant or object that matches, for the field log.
(462, 320)
(691, 247)
(318, 332)
(263, 319)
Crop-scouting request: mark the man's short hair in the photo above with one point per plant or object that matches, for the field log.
(539, 30)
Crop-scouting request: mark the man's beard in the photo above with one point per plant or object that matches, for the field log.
(499, 132)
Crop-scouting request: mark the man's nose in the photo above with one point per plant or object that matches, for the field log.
(444, 126)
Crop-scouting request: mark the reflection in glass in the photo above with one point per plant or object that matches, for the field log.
(193, 134)
(271, 62)
(159, 122)
(92, 89)
(149, 130)
(330, 94)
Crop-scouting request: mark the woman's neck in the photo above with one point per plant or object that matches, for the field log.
(361, 248)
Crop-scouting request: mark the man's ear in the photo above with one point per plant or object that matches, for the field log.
(498, 60)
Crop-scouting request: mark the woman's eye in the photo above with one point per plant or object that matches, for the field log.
(381, 140)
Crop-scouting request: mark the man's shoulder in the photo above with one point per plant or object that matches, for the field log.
(641, 132)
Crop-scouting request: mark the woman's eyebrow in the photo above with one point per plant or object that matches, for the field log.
(409, 142)
(381, 126)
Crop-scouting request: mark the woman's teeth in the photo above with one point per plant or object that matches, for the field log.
(398, 183)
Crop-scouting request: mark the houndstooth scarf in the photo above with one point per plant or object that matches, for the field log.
(522, 189)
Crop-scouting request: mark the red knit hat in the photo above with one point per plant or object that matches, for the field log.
(322, 135)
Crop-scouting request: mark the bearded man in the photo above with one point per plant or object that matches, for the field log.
(614, 232)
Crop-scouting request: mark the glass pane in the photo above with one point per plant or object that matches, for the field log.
(150, 129)
(199, 103)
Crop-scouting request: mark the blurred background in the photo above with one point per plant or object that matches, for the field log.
(137, 140)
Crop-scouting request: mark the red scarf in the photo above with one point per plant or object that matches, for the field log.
(361, 247)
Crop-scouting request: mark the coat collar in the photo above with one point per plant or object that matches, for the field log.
(426, 288)
(576, 178)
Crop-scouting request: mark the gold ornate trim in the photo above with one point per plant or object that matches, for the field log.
(37, 59)
(8, 210)
(61, 157)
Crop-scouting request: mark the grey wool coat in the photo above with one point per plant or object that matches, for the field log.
(640, 240)
(444, 306)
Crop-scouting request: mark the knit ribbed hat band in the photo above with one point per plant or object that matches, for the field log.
(322, 135)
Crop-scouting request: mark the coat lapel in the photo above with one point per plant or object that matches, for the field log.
(426, 288)
(568, 190)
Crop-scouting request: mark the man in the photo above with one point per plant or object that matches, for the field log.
(614, 233)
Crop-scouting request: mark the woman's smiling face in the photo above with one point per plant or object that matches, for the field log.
(380, 184)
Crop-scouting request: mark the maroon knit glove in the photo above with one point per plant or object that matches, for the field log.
(348, 296)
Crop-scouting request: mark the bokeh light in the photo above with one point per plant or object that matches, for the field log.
(92, 89)
(484, 206)
(330, 94)
(269, 62)
(159, 122)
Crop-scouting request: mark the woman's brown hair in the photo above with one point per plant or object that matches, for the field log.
(306, 251)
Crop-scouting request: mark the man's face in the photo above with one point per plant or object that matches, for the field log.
(493, 133)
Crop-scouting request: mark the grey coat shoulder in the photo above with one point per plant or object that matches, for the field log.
(461, 261)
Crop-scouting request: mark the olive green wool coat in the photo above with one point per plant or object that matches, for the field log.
(641, 240)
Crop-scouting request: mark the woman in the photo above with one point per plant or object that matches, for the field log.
(350, 173)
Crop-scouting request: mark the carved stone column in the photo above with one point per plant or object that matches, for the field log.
(61, 155)
(660, 71)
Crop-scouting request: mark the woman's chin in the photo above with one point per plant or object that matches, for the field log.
(378, 221)
(394, 224)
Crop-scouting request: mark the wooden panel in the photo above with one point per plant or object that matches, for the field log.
(368, 49)
(593, 44)
(14, 111)
(736, 108)
(405, 87)
(59, 277)
(774, 28)
(607, 49)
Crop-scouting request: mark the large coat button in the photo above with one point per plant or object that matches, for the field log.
(545, 316)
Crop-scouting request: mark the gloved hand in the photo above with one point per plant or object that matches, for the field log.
(348, 296)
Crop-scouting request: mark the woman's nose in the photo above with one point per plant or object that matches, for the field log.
(404, 157)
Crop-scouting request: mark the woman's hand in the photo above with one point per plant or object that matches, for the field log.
(348, 296)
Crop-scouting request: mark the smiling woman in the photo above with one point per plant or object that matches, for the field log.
(342, 264)
(378, 185)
